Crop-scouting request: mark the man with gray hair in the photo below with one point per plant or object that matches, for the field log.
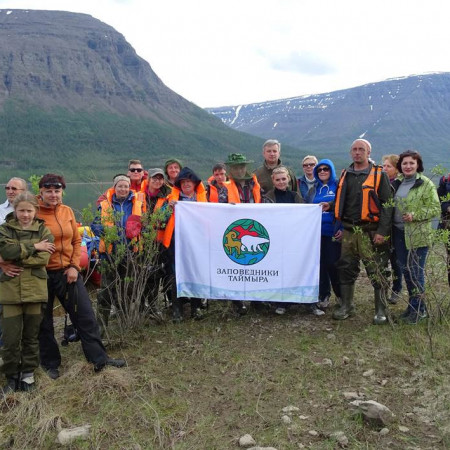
(271, 152)
(13, 188)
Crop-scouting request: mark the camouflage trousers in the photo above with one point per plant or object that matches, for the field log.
(20, 324)
(357, 245)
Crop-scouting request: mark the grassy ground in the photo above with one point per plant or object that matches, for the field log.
(202, 385)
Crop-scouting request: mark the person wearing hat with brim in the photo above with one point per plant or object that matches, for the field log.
(156, 190)
(156, 200)
(244, 186)
(187, 187)
(271, 153)
(123, 210)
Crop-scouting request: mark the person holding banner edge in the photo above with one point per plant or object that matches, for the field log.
(188, 187)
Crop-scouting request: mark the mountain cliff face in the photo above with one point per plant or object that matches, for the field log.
(73, 89)
(394, 115)
(75, 61)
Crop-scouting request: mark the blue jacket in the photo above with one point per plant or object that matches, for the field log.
(325, 193)
(303, 187)
(122, 209)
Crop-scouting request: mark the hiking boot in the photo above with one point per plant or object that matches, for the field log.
(380, 308)
(12, 385)
(197, 314)
(394, 298)
(346, 307)
(240, 307)
(110, 362)
(414, 318)
(52, 373)
(27, 383)
(314, 310)
(325, 303)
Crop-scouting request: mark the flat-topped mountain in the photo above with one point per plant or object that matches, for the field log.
(73, 89)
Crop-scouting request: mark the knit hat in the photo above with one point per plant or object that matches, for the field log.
(172, 161)
(118, 178)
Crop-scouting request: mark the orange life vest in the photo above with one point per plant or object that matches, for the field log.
(213, 192)
(233, 192)
(141, 194)
(107, 209)
(370, 205)
(175, 195)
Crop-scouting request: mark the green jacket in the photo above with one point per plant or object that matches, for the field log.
(423, 202)
(264, 177)
(17, 245)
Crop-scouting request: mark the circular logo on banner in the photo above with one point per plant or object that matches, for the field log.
(246, 242)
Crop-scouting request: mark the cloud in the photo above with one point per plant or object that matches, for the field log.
(305, 63)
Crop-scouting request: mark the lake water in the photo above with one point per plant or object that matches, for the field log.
(80, 195)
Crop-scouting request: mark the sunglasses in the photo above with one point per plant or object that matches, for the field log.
(136, 170)
(52, 185)
(323, 169)
(12, 188)
(309, 165)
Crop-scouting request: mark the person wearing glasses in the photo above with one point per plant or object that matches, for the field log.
(137, 175)
(307, 181)
(323, 192)
(65, 282)
(14, 187)
(271, 151)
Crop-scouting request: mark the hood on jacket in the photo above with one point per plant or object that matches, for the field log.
(187, 174)
(329, 163)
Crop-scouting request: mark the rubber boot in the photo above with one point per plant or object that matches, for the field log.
(27, 383)
(346, 308)
(380, 317)
(12, 384)
(177, 309)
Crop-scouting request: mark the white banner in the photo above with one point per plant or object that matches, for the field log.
(261, 252)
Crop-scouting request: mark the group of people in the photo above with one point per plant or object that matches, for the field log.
(370, 213)
(40, 248)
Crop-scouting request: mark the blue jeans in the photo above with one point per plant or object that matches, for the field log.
(396, 273)
(412, 263)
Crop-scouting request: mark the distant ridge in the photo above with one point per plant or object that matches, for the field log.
(394, 115)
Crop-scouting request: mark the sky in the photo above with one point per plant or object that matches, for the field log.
(234, 52)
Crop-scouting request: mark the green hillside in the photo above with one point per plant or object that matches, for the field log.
(87, 146)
